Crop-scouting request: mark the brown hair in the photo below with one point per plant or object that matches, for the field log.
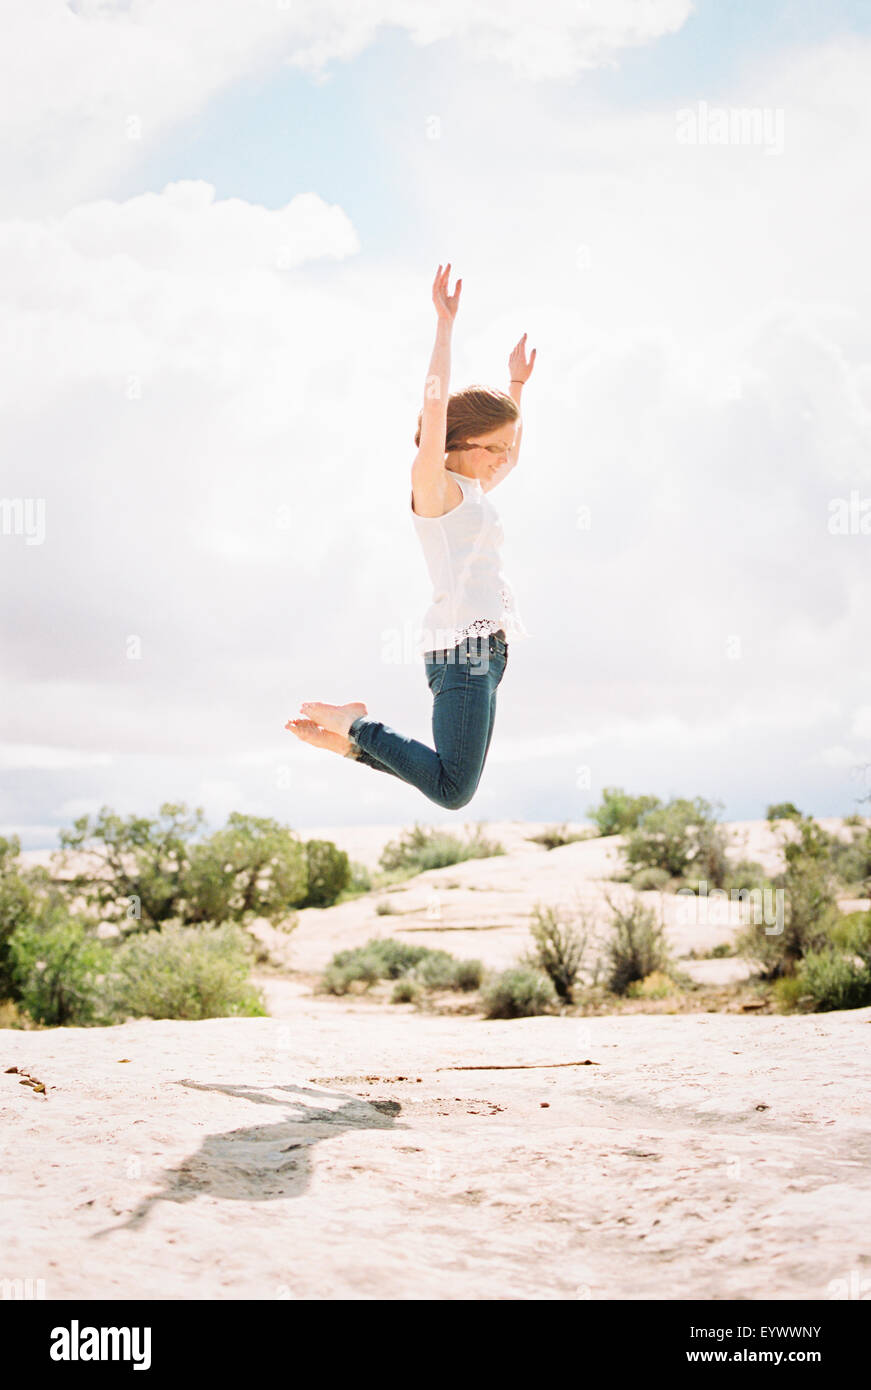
(474, 410)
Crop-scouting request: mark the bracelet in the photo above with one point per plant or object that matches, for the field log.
(517, 380)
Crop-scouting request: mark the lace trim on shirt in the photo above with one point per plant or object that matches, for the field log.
(479, 627)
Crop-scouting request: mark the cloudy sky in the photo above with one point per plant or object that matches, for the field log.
(219, 225)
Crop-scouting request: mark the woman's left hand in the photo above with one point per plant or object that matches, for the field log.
(521, 369)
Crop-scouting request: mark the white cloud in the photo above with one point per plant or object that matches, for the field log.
(861, 727)
(87, 84)
(31, 756)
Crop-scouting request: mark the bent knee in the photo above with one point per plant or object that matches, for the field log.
(458, 797)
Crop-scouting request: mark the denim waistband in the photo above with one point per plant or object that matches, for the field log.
(473, 643)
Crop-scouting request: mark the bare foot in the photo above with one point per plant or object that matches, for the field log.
(310, 732)
(337, 718)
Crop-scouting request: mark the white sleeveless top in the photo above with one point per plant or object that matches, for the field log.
(471, 595)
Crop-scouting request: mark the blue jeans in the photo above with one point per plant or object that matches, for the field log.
(463, 680)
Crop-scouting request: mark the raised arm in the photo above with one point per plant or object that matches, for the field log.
(428, 470)
(520, 370)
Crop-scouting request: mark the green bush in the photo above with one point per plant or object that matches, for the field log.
(468, 974)
(782, 810)
(385, 908)
(656, 985)
(405, 991)
(559, 949)
(437, 970)
(745, 873)
(809, 904)
(181, 971)
(424, 848)
(635, 948)
(253, 867)
(619, 812)
(645, 879)
(826, 980)
(851, 859)
(518, 993)
(360, 880)
(555, 836)
(395, 958)
(383, 958)
(16, 908)
(329, 873)
(58, 972)
(683, 838)
(851, 932)
(348, 967)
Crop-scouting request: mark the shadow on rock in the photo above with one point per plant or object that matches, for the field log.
(262, 1162)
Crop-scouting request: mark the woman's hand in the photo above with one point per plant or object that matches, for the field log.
(519, 368)
(446, 304)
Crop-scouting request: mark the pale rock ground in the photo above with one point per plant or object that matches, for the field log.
(333, 1150)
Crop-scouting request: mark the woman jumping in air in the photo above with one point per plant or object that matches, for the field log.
(467, 443)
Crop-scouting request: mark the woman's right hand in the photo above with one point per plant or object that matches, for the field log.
(446, 304)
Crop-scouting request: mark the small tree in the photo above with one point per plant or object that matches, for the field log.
(59, 969)
(138, 859)
(681, 837)
(28, 898)
(619, 812)
(328, 873)
(252, 867)
(143, 872)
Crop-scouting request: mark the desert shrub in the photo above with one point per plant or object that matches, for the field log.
(560, 947)
(619, 812)
(554, 836)
(405, 991)
(518, 993)
(644, 879)
(790, 995)
(683, 838)
(782, 810)
(424, 848)
(468, 974)
(745, 873)
(809, 905)
(182, 971)
(383, 958)
(852, 933)
(395, 958)
(329, 873)
(16, 909)
(709, 860)
(851, 858)
(360, 879)
(656, 985)
(58, 972)
(635, 948)
(350, 966)
(385, 908)
(826, 980)
(436, 970)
